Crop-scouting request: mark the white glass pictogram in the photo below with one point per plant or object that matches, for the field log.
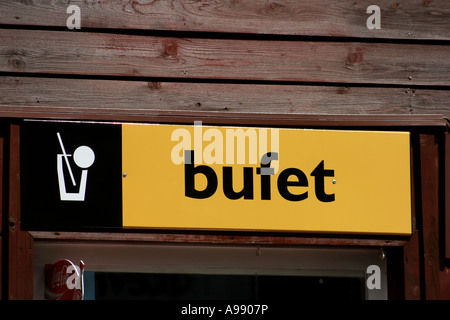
(83, 157)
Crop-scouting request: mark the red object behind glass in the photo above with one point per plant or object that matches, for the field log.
(64, 281)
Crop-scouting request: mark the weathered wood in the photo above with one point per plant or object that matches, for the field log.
(88, 95)
(3, 181)
(429, 157)
(445, 272)
(1, 267)
(432, 101)
(3, 177)
(20, 243)
(411, 250)
(134, 100)
(406, 19)
(244, 119)
(79, 53)
(412, 272)
(447, 193)
(217, 238)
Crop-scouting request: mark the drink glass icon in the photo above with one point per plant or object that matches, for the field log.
(83, 157)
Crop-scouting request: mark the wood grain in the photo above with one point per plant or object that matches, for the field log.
(216, 238)
(430, 172)
(447, 193)
(406, 19)
(79, 53)
(140, 98)
(433, 101)
(3, 177)
(411, 262)
(2, 257)
(20, 243)
(445, 271)
(113, 100)
(3, 200)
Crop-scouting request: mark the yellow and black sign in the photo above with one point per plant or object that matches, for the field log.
(227, 178)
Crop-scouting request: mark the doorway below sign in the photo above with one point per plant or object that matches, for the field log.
(150, 286)
(216, 272)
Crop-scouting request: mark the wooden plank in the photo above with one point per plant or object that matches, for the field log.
(411, 250)
(429, 157)
(445, 272)
(447, 193)
(85, 96)
(412, 274)
(79, 53)
(135, 100)
(433, 101)
(1, 267)
(218, 238)
(2, 176)
(407, 19)
(241, 119)
(2, 202)
(20, 243)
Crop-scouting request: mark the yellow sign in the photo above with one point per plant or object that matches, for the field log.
(229, 178)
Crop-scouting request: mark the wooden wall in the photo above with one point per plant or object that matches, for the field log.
(223, 56)
(282, 59)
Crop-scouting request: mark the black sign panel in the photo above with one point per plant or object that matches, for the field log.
(71, 175)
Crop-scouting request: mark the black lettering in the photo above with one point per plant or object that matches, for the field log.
(319, 173)
(265, 171)
(247, 188)
(265, 187)
(284, 183)
(189, 178)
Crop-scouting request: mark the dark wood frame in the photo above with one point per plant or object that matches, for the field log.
(416, 268)
(444, 271)
(298, 120)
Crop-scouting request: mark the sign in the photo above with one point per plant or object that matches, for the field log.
(64, 281)
(71, 175)
(91, 175)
